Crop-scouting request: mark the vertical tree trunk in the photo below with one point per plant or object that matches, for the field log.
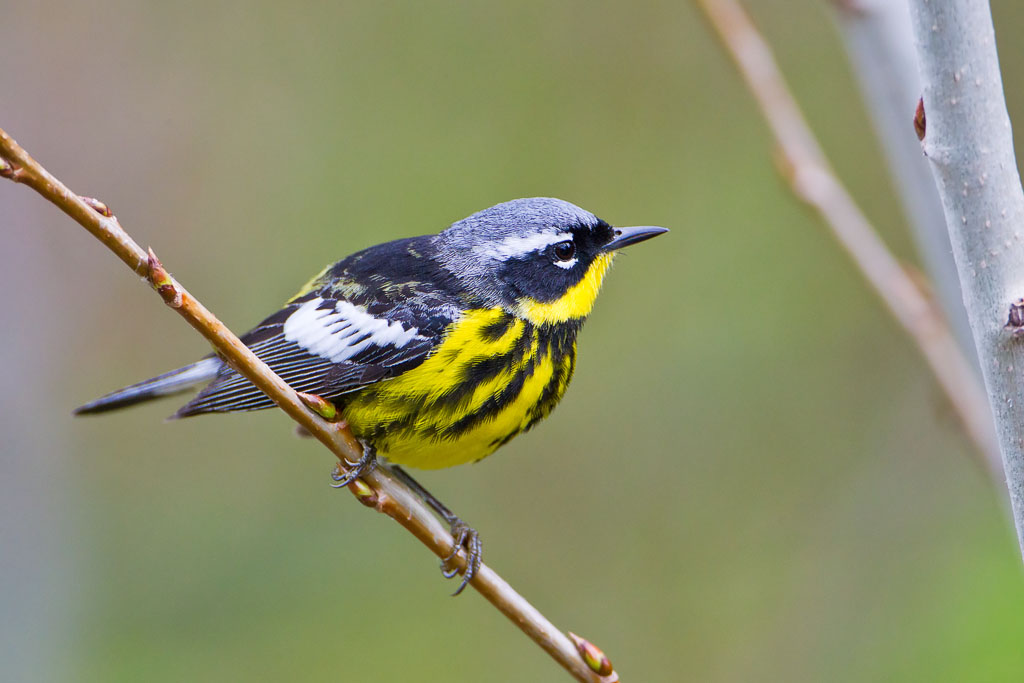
(967, 139)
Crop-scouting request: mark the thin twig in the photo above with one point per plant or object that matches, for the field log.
(379, 490)
(966, 135)
(805, 167)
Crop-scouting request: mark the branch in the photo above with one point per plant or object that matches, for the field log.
(967, 139)
(880, 44)
(379, 489)
(805, 167)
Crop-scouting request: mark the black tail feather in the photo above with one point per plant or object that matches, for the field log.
(173, 382)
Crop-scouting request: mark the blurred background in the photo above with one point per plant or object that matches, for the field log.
(753, 476)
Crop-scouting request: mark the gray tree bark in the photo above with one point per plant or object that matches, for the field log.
(969, 144)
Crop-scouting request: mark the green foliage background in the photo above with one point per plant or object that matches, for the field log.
(753, 477)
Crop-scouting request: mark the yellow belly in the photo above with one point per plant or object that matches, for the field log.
(492, 377)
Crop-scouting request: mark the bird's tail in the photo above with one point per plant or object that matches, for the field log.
(168, 383)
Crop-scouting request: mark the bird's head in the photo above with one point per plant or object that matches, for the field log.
(542, 259)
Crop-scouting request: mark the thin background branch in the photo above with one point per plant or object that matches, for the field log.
(969, 142)
(806, 169)
(880, 44)
(385, 493)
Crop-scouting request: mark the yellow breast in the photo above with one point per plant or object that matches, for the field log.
(493, 376)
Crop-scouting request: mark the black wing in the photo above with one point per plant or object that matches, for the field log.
(369, 317)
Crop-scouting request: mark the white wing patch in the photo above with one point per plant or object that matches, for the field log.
(342, 332)
(511, 247)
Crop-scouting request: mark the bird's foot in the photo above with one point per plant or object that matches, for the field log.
(464, 537)
(366, 464)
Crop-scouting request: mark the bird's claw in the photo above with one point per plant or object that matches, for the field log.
(463, 537)
(365, 465)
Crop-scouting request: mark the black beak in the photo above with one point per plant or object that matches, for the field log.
(623, 237)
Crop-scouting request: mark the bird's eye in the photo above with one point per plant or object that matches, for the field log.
(564, 251)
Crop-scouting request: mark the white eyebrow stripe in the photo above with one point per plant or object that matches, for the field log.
(323, 331)
(514, 246)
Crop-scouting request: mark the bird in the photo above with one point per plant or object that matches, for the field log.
(437, 349)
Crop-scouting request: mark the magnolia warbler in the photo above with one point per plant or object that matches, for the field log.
(438, 349)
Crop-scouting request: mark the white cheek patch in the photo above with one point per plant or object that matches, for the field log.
(342, 332)
(566, 264)
(513, 247)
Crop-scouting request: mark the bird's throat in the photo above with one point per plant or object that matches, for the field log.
(575, 304)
